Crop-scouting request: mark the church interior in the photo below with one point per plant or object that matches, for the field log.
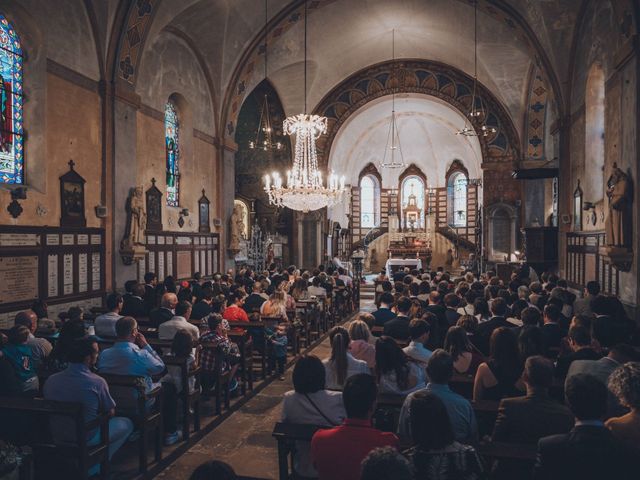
(233, 230)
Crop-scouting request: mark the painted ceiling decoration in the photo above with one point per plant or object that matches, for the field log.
(536, 116)
(425, 77)
(139, 21)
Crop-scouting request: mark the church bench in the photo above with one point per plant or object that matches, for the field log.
(245, 346)
(79, 452)
(260, 326)
(132, 401)
(377, 330)
(191, 399)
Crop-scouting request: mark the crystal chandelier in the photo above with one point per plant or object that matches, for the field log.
(394, 135)
(477, 112)
(264, 133)
(304, 190)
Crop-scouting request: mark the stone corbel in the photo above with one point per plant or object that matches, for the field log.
(619, 257)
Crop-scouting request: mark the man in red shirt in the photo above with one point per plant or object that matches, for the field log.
(338, 452)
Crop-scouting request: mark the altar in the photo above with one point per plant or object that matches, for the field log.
(395, 264)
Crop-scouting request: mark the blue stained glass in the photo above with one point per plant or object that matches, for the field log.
(172, 145)
(11, 121)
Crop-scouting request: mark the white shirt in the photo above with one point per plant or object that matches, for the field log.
(105, 324)
(354, 367)
(389, 384)
(348, 281)
(317, 291)
(168, 329)
(418, 352)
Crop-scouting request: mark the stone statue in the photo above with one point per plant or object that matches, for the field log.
(138, 217)
(618, 220)
(237, 228)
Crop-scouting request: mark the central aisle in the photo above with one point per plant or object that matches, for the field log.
(244, 439)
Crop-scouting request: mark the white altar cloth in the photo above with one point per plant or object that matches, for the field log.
(412, 263)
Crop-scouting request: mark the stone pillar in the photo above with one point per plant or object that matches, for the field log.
(124, 178)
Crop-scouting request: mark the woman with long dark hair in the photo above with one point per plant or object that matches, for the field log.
(466, 357)
(435, 454)
(341, 365)
(396, 373)
(499, 377)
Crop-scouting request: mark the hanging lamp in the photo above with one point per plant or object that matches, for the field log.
(304, 190)
(264, 133)
(389, 158)
(477, 112)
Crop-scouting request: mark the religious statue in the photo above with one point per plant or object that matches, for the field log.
(618, 220)
(237, 228)
(132, 245)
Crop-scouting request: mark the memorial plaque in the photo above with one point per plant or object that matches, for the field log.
(161, 265)
(83, 239)
(96, 239)
(169, 263)
(160, 240)
(141, 271)
(67, 239)
(95, 271)
(209, 262)
(151, 240)
(152, 263)
(196, 264)
(209, 240)
(19, 279)
(183, 241)
(82, 271)
(169, 240)
(53, 239)
(203, 262)
(52, 276)
(67, 273)
(18, 239)
(184, 265)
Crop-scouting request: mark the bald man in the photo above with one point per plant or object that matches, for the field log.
(40, 347)
(166, 311)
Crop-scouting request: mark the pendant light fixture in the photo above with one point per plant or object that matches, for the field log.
(477, 113)
(389, 159)
(264, 133)
(304, 190)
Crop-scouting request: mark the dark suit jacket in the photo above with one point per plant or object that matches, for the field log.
(200, 310)
(585, 453)
(452, 316)
(483, 335)
(150, 298)
(253, 303)
(133, 307)
(564, 362)
(160, 315)
(397, 328)
(382, 316)
(552, 334)
(528, 419)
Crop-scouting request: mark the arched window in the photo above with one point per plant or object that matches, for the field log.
(11, 128)
(458, 197)
(594, 135)
(369, 202)
(172, 145)
(412, 198)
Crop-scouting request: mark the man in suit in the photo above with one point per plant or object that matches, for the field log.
(399, 275)
(202, 308)
(451, 301)
(166, 311)
(384, 313)
(602, 369)
(485, 329)
(254, 301)
(581, 349)
(529, 418)
(582, 306)
(398, 328)
(436, 308)
(133, 305)
(552, 332)
(150, 283)
(589, 451)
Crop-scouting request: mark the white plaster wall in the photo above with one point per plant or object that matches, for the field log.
(427, 131)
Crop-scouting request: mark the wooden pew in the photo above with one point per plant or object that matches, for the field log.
(190, 399)
(79, 452)
(147, 418)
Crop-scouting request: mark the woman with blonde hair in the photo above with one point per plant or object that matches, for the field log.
(275, 307)
(341, 365)
(361, 347)
(300, 291)
(290, 302)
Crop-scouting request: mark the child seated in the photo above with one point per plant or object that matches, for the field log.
(279, 343)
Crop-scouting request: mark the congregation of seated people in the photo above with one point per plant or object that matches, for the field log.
(146, 333)
(488, 379)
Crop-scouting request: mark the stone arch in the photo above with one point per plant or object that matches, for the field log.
(418, 76)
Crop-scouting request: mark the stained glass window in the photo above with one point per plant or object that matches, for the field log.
(11, 128)
(368, 202)
(172, 141)
(458, 183)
